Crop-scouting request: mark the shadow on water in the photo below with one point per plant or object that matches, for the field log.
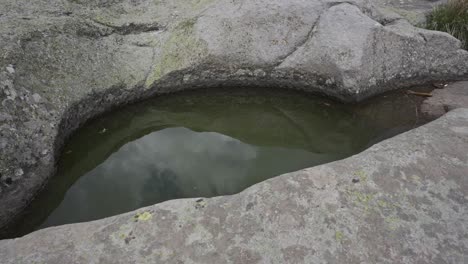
(206, 143)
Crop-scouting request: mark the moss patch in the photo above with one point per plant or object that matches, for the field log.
(362, 176)
(339, 236)
(145, 216)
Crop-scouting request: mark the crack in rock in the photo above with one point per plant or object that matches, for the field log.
(311, 32)
(131, 28)
(308, 37)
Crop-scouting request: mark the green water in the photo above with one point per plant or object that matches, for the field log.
(203, 144)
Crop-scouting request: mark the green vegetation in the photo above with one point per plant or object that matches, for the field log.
(145, 216)
(339, 236)
(451, 18)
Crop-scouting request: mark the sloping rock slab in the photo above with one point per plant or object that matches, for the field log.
(404, 200)
(415, 11)
(63, 62)
(452, 96)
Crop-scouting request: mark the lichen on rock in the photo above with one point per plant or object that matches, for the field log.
(65, 62)
(181, 48)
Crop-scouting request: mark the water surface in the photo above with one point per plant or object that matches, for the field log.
(206, 143)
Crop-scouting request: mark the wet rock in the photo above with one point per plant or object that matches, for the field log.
(451, 96)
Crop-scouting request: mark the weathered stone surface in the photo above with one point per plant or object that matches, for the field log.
(452, 96)
(63, 62)
(404, 200)
(414, 11)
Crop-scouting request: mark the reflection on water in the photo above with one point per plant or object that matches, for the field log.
(174, 163)
(203, 144)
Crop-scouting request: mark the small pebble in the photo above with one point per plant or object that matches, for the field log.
(439, 85)
(19, 172)
(36, 97)
(10, 69)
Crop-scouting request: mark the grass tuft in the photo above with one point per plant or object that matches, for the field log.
(451, 18)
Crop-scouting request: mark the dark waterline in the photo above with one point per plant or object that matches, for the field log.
(206, 143)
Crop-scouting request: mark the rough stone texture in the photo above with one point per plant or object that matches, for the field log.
(63, 62)
(404, 200)
(414, 11)
(454, 95)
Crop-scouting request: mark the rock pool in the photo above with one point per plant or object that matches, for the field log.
(206, 143)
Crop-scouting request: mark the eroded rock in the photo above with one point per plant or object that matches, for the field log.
(446, 98)
(414, 11)
(63, 62)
